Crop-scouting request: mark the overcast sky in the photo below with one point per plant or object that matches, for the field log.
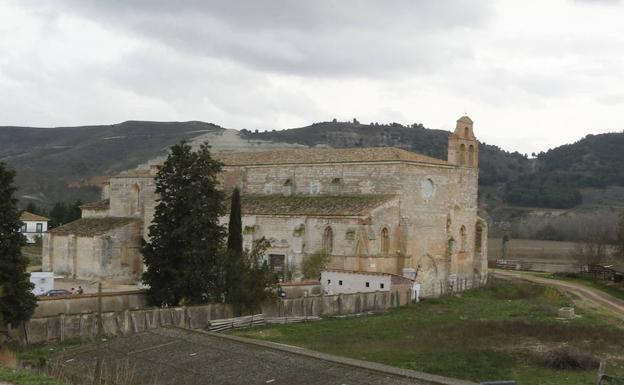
(532, 74)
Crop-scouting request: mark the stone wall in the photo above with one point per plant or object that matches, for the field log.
(76, 304)
(113, 256)
(116, 323)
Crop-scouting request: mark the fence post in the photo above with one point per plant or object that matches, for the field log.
(601, 372)
(62, 320)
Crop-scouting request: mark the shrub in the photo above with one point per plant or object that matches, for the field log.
(566, 357)
(313, 264)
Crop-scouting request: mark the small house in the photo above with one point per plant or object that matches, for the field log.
(33, 226)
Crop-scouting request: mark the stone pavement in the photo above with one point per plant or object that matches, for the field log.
(174, 356)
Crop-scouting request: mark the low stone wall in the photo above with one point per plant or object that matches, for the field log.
(76, 304)
(126, 322)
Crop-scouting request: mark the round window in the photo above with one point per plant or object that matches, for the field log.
(427, 188)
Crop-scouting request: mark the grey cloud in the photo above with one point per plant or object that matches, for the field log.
(322, 38)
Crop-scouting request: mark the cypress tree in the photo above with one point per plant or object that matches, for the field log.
(235, 227)
(183, 252)
(17, 303)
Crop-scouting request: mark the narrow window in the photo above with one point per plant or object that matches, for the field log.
(39, 227)
(462, 154)
(478, 238)
(462, 234)
(367, 284)
(471, 155)
(339, 283)
(328, 240)
(385, 241)
(381, 285)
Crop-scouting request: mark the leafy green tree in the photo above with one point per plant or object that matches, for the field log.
(314, 263)
(235, 227)
(186, 238)
(17, 303)
(253, 280)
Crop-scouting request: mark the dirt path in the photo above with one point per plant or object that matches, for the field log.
(598, 297)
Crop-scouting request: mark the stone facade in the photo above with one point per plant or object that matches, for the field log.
(381, 210)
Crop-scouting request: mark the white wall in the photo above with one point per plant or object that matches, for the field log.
(336, 282)
(31, 230)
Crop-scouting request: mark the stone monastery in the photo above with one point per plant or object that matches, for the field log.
(372, 209)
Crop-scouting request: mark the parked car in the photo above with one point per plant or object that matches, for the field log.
(56, 293)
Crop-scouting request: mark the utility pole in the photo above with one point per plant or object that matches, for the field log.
(97, 376)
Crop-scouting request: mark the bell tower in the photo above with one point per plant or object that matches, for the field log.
(463, 147)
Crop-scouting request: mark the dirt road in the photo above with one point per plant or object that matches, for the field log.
(598, 297)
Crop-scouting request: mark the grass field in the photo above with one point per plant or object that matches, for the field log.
(33, 253)
(508, 330)
(26, 377)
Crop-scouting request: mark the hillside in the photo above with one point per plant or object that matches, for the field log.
(64, 163)
(568, 175)
(67, 163)
(497, 165)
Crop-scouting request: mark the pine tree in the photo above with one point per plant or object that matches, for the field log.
(73, 212)
(17, 303)
(235, 227)
(58, 214)
(182, 255)
(32, 208)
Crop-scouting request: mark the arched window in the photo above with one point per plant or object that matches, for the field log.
(478, 238)
(462, 154)
(462, 236)
(135, 205)
(385, 242)
(449, 222)
(467, 132)
(471, 155)
(328, 240)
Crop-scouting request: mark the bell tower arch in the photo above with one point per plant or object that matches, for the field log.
(463, 147)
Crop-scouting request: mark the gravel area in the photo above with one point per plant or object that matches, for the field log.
(176, 356)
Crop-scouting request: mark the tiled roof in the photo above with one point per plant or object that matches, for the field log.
(324, 155)
(27, 216)
(320, 205)
(92, 226)
(99, 205)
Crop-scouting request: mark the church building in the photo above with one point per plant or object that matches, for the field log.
(382, 210)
